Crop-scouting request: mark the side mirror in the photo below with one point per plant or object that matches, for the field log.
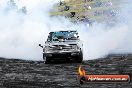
(48, 40)
(40, 45)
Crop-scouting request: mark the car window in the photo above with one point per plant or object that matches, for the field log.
(65, 35)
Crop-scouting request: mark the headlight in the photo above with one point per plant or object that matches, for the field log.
(75, 47)
(47, 48)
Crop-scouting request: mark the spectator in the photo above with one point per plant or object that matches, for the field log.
(24, 10)
(73, 14)
(12, 4)
(86, 6)
(61, 3)
(66, 8)
(109, 3)
(98, 4)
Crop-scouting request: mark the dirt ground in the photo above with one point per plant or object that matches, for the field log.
(16, 73)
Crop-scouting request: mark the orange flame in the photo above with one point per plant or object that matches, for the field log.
(81, 71)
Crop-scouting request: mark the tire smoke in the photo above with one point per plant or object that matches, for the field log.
(26, 23)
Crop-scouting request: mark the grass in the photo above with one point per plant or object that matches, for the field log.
(82, 3)
(80, 9)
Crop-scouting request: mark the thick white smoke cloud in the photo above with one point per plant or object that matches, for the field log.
(20, 34)
(101, 40)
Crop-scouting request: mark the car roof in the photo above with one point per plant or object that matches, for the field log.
(64, 31)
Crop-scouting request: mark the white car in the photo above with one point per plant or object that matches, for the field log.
(63, 45)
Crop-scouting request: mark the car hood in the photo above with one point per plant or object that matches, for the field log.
(67, 42)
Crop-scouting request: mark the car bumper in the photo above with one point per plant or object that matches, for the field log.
(60, 55)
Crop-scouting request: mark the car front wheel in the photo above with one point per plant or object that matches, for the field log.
(80, 58)
(47, 61)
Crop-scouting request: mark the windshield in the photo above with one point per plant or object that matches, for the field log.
(63, 35)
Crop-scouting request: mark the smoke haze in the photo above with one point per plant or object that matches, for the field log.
(21, 33)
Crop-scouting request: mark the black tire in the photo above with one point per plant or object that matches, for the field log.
(80, 58)
(47, 61)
